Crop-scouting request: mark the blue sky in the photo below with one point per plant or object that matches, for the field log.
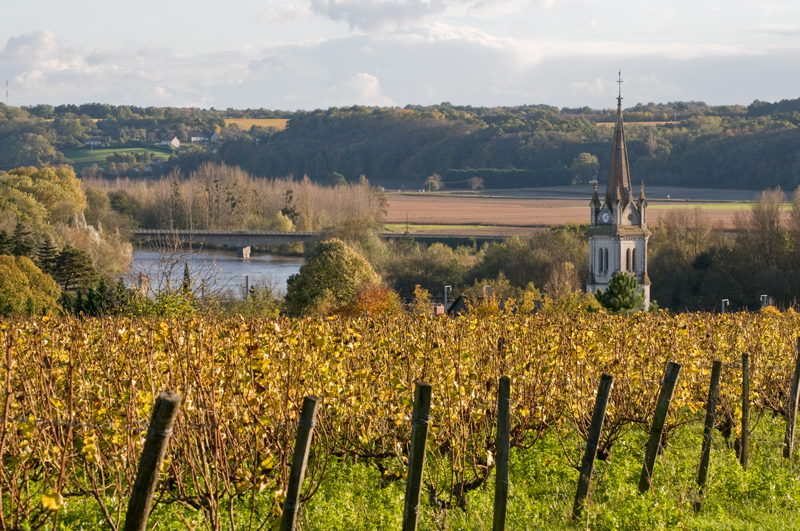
(307, 54)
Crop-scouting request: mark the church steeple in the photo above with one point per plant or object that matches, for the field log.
(619, 177)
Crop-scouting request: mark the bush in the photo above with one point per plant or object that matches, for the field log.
(24, 289)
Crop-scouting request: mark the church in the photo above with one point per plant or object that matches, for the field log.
(618, 233)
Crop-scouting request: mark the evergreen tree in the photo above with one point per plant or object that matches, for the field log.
(21, 242)
(623, 295)
(46, 255)
(5, 243)
(74, 269)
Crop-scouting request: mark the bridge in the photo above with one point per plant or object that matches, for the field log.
(244, 239)
(241, 239)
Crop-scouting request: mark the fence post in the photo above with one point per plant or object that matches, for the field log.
(162, 421)
(503, 447)
(587, 465)
(305, 431)
(660, 416)
(791, 408)
(744, 447)
(708, 431)
(416, 454)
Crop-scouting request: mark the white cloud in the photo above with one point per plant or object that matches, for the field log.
(378, 15)
(283, 14)
(431, 63)
(786, 30)
(361, 89)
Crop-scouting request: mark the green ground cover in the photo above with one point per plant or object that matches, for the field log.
(542, 485)
(84, 156)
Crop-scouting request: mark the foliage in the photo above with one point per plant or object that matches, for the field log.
(623, 294)
(585, 167)
(80, 390)
(329, 280)
(73, 269)
(24, 289)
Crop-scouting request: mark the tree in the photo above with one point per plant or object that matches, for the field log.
(6, 246)
(21, 242)
(330, 280)
(46, 255)
(74, 269)
(24, 289)
(475, 183)
(432, 183)
(623, 295)
(337, 179)
(585, 167)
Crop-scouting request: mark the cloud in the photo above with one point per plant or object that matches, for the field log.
(283, 15)
(378, 15)
(430, 63)
(785, 30)
(361, 89)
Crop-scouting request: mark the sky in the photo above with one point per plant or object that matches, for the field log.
(310, 54)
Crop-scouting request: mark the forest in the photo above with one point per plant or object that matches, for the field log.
(679, 143)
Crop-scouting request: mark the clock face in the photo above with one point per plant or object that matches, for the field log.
(605, 217)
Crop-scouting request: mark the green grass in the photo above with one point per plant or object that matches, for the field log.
(541, 492)
(84, 156)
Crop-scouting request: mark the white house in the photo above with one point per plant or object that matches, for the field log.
(94, 141)
(171, 140)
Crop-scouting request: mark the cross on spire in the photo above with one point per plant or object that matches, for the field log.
(620, 82)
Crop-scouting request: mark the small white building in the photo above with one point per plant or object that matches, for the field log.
(171, 140)
(94, 141)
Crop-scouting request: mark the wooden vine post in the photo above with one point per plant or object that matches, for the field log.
(416, 454)
(503, 449)
(159, 432)
(656, 430)
(744, 446)
(708, 430)
(302, 446)
(596, 427)
(791, 408)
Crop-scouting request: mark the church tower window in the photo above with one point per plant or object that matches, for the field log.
(605, 259)
(633, 260)
(628, 260)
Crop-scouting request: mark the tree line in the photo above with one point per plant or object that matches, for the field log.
(752, 147)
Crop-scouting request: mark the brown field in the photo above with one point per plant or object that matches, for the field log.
(246, 123)
(518, 216)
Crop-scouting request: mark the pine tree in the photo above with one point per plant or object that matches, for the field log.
(5, 243)
(46, 255)
(623, 295)
(22, 244)
(74, 269)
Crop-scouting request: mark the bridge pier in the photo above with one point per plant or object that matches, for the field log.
(243, 252)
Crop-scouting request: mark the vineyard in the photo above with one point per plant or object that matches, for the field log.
(77, 395)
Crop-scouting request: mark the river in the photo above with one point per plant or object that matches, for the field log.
(221, 270)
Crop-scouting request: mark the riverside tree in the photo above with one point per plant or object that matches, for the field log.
(330, 280)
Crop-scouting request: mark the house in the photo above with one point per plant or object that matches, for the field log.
(94, 141)
(202, 136)
(171, 140)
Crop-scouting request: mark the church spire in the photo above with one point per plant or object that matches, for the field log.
(619, 177)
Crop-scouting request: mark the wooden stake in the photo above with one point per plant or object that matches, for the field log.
(744, 447)
(708, 431)
(587, 465)
(503, 448)
(791, 408)
(659, 418)
(416, 454)
(159, 432)
(302, 446)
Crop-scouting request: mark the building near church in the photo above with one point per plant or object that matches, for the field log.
(618, 233)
